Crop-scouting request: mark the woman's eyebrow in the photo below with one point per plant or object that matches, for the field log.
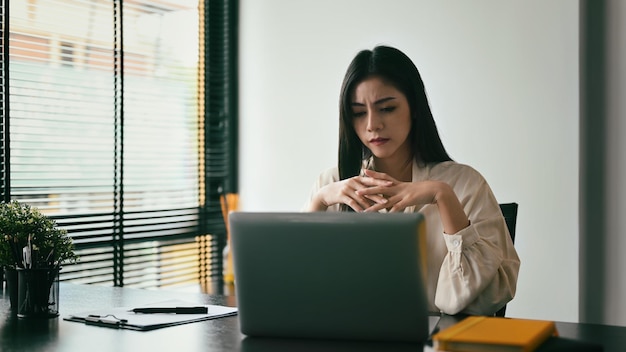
(377, 102)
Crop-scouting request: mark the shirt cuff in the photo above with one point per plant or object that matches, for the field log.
(462, 239)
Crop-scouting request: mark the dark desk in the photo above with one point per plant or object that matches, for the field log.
(213, 335)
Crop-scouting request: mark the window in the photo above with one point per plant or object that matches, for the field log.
(67, 54)
(108, 128)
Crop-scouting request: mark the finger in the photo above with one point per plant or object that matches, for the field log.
(381, 190)
(375, 208)
(370, 181)
(353, 204)
(398, 207)
(379, 206)
(376, 199)
(356, 202)
(355, 187)
(393, 205)
(363, 182)
(378, 175)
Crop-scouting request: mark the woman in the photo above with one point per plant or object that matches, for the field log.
(392, 159)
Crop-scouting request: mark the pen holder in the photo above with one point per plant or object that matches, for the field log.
(10, 277)
(38, 293)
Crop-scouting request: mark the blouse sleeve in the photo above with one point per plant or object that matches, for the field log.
(326, 177)
(479, 273)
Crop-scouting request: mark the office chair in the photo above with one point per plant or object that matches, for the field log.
(509, 211)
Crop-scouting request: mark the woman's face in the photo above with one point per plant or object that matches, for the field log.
(382, 119)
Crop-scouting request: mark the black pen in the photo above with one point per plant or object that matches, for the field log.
(172, 310)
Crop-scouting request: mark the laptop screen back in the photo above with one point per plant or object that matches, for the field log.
(354, 276)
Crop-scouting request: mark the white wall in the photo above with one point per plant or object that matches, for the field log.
(502, 78)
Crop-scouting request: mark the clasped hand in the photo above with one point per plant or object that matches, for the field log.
(374, 191)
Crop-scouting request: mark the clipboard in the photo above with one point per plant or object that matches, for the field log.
(124, 318)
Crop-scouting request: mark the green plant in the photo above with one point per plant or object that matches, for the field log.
(23, 226)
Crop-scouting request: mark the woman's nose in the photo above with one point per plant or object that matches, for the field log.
(374, 122)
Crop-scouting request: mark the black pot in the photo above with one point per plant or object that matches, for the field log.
(10, 277)
(38, 293)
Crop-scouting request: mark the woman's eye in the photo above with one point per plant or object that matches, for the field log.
(388, 109)
(358, 113)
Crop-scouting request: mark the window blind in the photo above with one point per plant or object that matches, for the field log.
(62, 122)
(106, 131)
(219, 163)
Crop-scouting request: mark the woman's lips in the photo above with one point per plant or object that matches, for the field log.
(379, 141)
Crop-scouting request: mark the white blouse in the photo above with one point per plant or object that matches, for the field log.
(475, 270)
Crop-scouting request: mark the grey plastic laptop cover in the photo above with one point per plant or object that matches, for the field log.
(328, 275)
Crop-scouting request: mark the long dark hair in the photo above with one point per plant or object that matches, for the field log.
(395, 67)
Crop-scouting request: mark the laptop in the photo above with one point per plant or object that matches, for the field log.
(330, 275)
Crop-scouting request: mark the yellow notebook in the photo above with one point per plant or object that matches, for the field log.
(480, 333)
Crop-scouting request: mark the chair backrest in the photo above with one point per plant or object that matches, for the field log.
(509, 211)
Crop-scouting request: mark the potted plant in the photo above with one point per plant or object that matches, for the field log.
(32, 250)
